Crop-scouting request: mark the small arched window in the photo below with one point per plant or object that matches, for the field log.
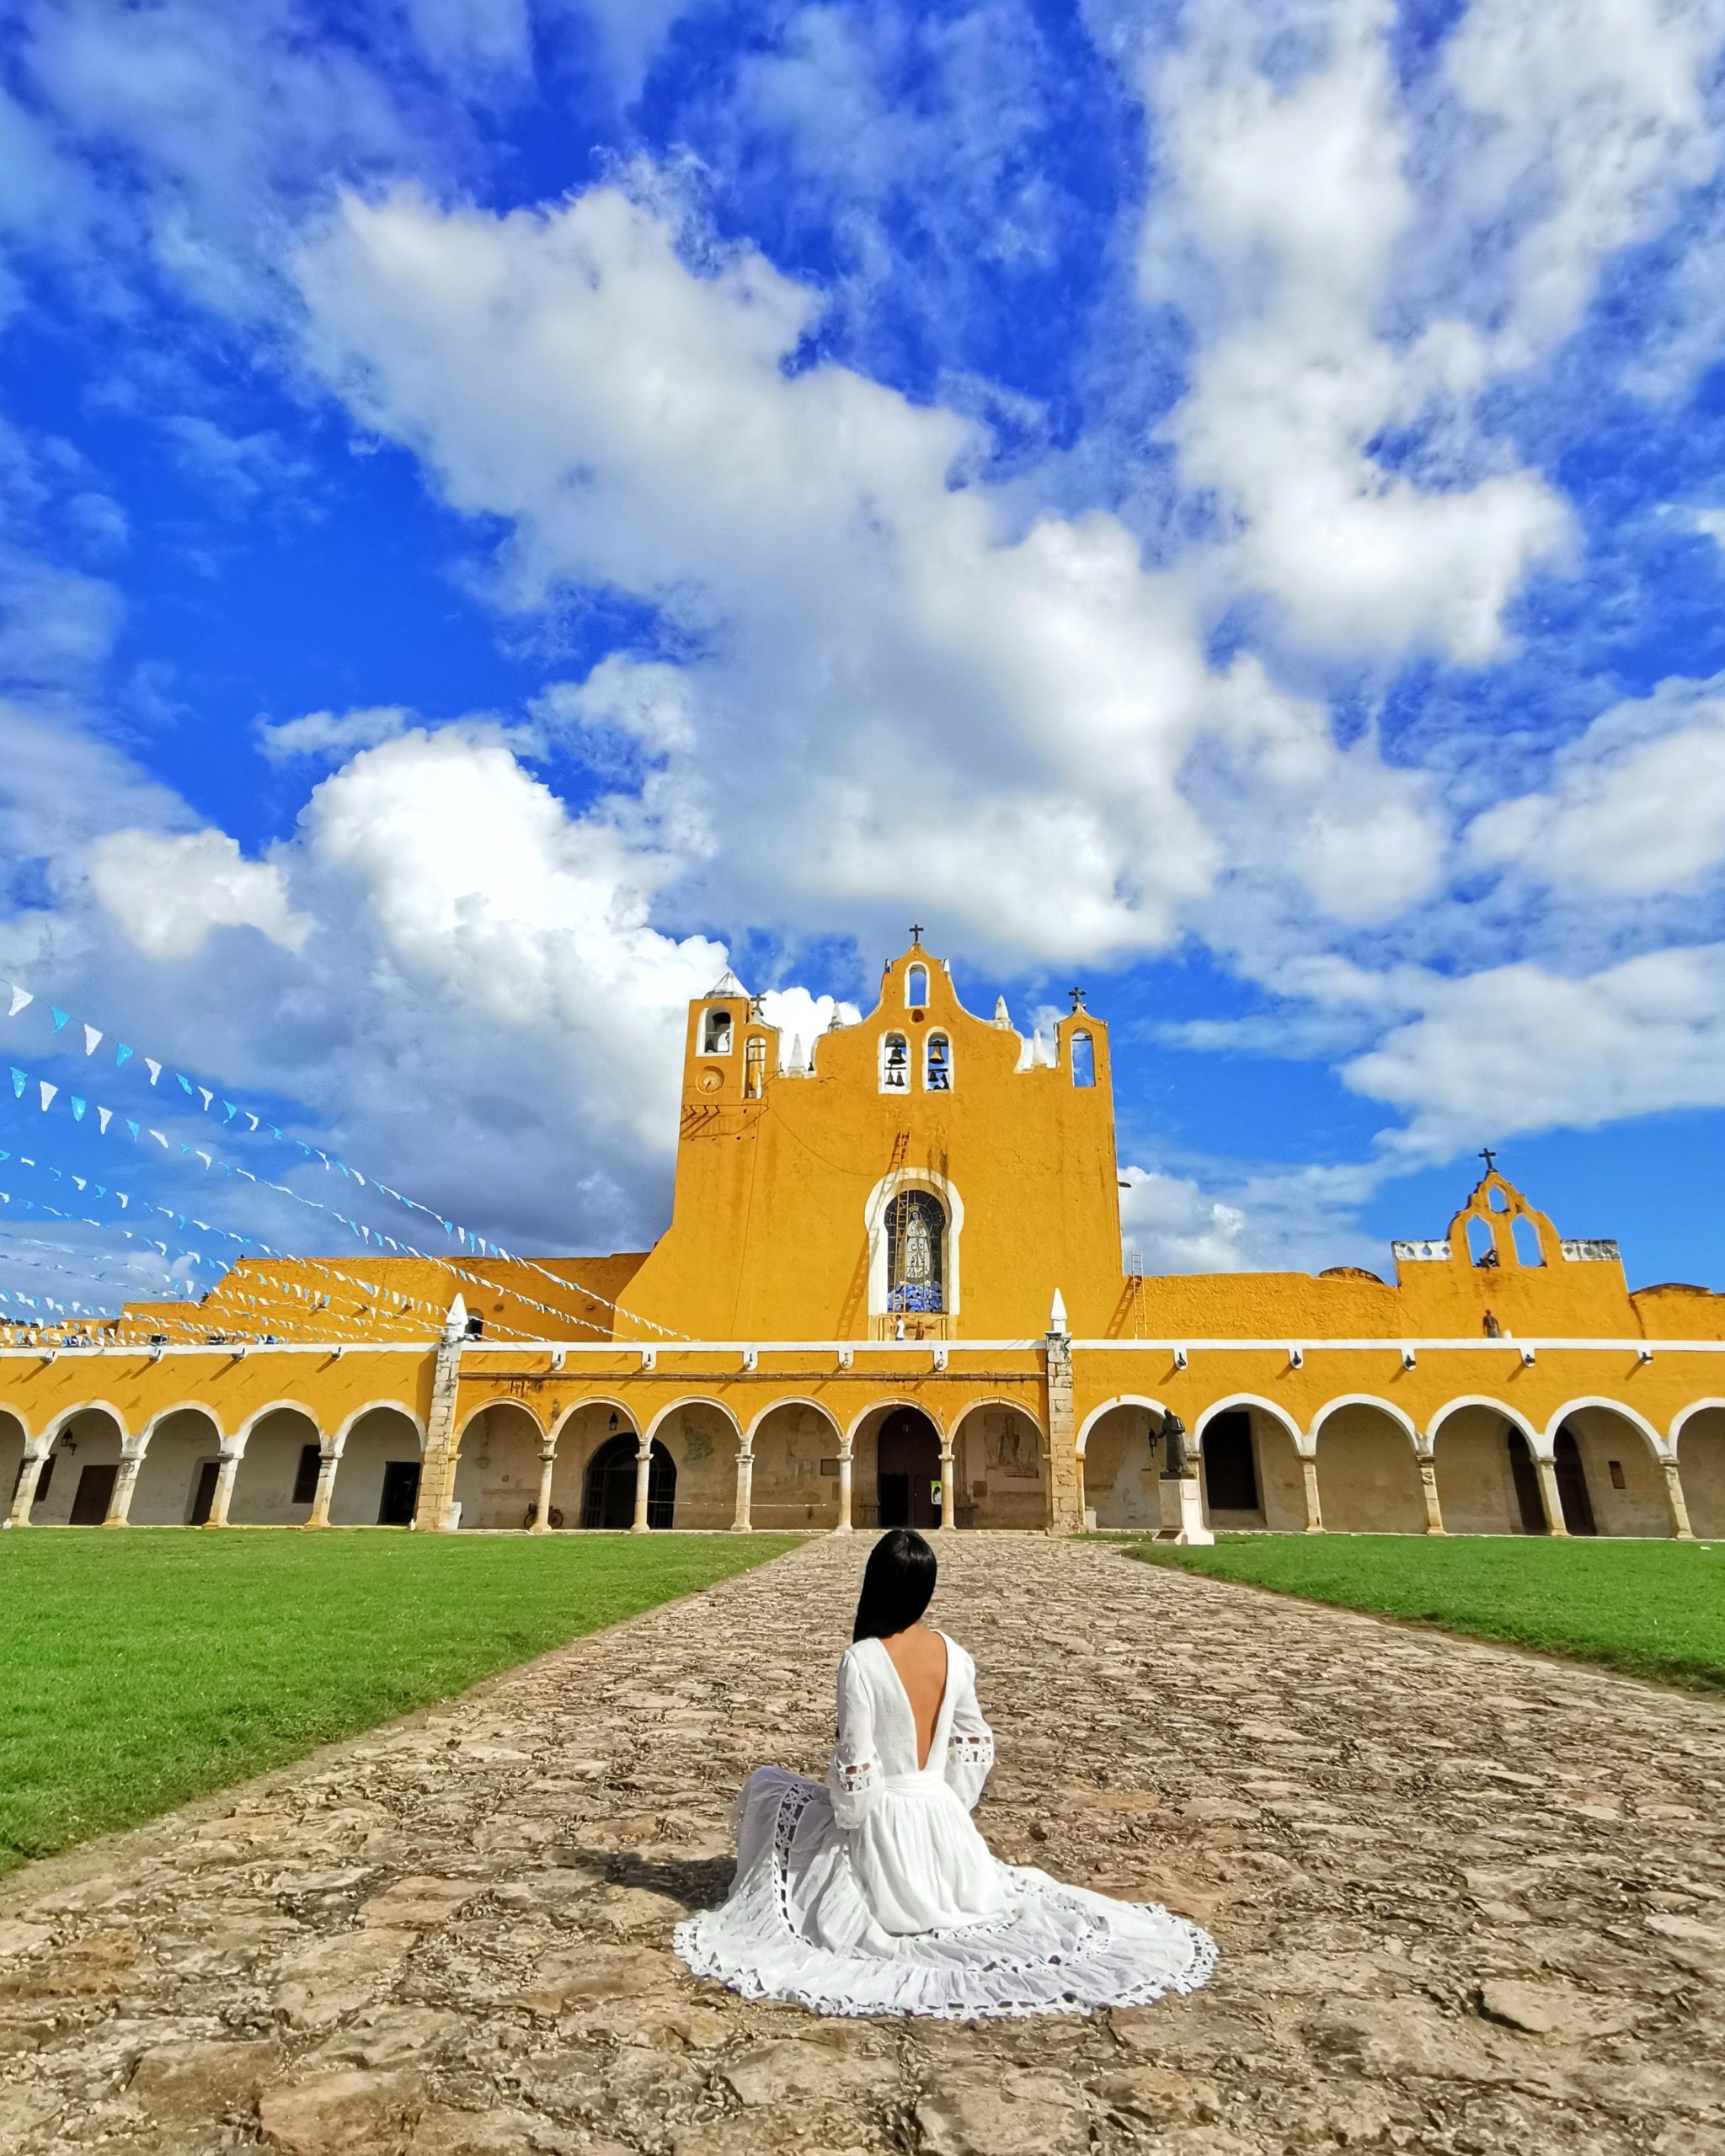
(1527, 1242)
(916, 1253)
(1083, 1059)
(894, 1064)
(754, 1067)
(938, 1065)
(916, 985)
(1497, 1200)
(1481, 1248)
(716, 1034)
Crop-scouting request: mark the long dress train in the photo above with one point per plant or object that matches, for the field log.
(875, 1894)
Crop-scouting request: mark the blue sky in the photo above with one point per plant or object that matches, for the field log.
(509, 505)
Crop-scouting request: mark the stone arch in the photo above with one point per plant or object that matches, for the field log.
(577, 1433)
(1698, 1439)
(1483, 1456)
(862, 1443)
(14, 1437)
(181, 1449)
(85, 1445)
(497, 1465)
(275, 1482)
(1368, 1472)
(703, 1438)
(1000, 1466)
(1399, 1415)
(1258, 1481)
(1618, 1453)
(377, 1481)
(1120, 1462)
(792, 1441)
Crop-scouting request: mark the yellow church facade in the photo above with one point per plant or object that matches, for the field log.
(892, 1290)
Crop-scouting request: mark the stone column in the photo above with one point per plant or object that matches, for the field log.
(548, 1463)
(328, 1460)
(436, 1509)
(1308, 1472)
(744, 1522)
(1429, 1491)
(1551, 1499)
(228, 1467)
(1674, 1497)
(1066, 1514)
(844, 1525)
(125, 1483)
(26, 1494)
(643, 1469)
(948, 1488)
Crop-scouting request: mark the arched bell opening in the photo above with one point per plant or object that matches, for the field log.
(75, 1485)
(277, 1476)
(795, 1481)
(497, 1471)
(1368, 1477)
(608, 1486)
(1000, 1473)
(377, 1479)
(1701, 1460)
(1487, 1483)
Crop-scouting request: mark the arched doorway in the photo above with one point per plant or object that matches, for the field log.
(608, 1491)
(1572, 1485)
(277, 1476)
(907, 1472)
(177, 1482)
(1487, 1480)
(1700, 1443)
(1000, 1478)
(377, 1481)
(497, 1471)
(1368, 1476)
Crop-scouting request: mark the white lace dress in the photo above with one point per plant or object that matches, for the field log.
(876, 1894)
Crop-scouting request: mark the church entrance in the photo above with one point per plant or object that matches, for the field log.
(908, 1454)
(608, 1493)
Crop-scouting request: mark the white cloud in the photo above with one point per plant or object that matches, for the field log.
(1285, 205)
(802, 1017)
(898, 692)
(1634, 808)
(165, 892)
(330, 734)
(1290, 1219)
(1518, 1047)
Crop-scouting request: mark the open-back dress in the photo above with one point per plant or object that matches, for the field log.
(875, 1894)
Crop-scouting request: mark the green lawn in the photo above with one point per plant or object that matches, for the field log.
(137, 1670)
(1654, 1608)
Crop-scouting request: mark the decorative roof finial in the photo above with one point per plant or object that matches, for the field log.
(1077, 996)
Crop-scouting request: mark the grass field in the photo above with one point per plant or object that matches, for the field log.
(139, 1670)
(1654, 1608)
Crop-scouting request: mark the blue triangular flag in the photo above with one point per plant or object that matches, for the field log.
(19, 1081)
(77, 1107)
(61, 1017)
(121, 1052)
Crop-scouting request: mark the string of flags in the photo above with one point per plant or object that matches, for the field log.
(47, 1094)
(207, 1097)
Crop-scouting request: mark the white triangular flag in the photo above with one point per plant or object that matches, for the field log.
(48, 1093)
(208, 1097)
(154, 1068)
(105, 1117)
(93, 1040)
(20, 997)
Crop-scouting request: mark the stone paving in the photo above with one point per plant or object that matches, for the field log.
(1467, 1900)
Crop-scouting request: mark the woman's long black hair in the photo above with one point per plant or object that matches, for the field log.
(898, 1585)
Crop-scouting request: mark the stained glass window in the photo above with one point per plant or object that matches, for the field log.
(916, 1252)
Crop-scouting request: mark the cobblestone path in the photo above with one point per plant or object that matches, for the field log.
(1467, 1901)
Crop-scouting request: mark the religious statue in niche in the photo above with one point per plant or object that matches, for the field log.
(916, 1231)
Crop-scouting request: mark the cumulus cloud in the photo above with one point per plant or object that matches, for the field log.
(1296, 1219)
(165, 892)
(330, 734)
(1635, 807)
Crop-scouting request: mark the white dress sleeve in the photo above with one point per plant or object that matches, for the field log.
(854, 1777)
(970, 1739)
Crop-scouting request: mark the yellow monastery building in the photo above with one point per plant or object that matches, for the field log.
(892, 1291)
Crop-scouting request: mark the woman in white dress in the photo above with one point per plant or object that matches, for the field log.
(875, 1894)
